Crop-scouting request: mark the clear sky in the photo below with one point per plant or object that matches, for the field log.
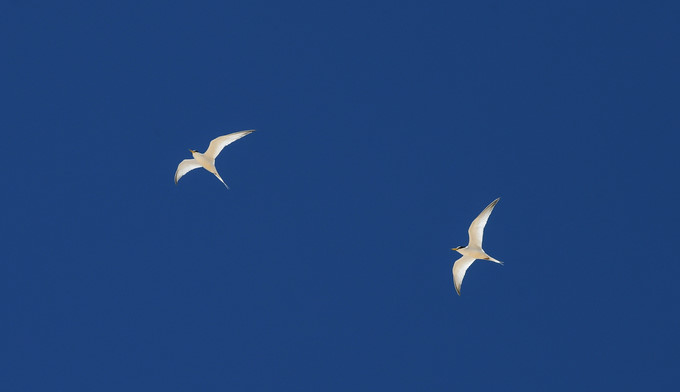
(383, 129)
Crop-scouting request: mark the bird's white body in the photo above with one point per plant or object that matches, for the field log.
(207, 163)
(473, 250)
(474, 253)
(206, 160)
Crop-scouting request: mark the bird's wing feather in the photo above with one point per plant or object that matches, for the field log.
(185, 167)
(476, 231)
(217, 144)
(459, 267)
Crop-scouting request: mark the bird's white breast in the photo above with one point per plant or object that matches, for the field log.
(203, 161)
(476, 253)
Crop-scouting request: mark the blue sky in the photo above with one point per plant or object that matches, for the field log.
(383, 129)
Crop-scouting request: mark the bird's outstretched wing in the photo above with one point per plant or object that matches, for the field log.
(217, 144)
(185, 167)
(459, 267)
(476, 230)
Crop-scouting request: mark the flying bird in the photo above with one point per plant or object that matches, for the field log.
(207, 159)
(473, 250)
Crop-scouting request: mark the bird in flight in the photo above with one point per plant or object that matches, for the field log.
(207, 159)
(473, 250)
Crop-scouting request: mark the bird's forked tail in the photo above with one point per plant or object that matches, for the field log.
(220, 178)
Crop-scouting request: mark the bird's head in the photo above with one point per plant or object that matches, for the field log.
(458, 247)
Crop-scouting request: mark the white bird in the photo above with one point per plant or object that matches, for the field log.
(474, 249)
(207, 159)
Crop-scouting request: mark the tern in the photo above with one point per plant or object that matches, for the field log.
(473, 250)
(207, 159)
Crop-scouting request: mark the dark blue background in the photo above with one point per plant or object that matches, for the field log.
(383, 129)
